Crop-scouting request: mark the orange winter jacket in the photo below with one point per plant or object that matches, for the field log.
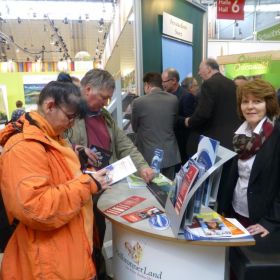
(43, 188)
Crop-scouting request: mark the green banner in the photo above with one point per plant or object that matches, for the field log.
(270, 34)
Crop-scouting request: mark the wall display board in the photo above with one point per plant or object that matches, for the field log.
(265, 65)
(176, 52)
(178, 55)
(32, 86)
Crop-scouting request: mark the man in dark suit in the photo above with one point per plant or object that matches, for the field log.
(170, 82)
(153, 118)
(215, 115)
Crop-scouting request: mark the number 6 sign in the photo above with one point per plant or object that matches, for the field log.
(230, 9)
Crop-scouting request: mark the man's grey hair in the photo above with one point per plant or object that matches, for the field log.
(172, 73)
(187, 83)
(99, 79)
(212, 63)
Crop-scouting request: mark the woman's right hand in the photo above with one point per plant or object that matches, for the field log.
(102, 177)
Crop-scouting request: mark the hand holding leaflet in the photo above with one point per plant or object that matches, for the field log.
(117, 170)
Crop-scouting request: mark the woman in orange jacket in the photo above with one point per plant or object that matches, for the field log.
(44, 190)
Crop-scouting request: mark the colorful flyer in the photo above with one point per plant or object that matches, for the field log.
(142, 214)
(124, 205)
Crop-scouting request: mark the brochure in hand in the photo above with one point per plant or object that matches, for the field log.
(118, 170)
(103, 156)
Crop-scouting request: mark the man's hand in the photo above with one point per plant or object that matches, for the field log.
(147, 174)
(187, 122)
(92, 157)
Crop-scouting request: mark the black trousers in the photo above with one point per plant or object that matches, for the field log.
(97, 255)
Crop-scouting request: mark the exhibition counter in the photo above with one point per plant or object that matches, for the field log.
(143, 252)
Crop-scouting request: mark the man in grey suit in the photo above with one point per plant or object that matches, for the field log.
(153, 119)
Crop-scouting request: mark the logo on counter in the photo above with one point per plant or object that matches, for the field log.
(132, 256)
(135, 252)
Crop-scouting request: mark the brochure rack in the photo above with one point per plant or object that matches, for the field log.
(186, 212)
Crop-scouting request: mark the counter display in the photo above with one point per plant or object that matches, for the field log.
(142, 252)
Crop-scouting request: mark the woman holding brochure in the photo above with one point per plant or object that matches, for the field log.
(46, 194)
(252, 193)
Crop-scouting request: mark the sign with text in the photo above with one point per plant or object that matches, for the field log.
(177, 28)
(230, 9)
(270, 34)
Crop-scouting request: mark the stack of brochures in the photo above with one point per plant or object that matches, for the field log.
(190, 172)
(212, 226)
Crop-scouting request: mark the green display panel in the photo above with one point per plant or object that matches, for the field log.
(152, 11)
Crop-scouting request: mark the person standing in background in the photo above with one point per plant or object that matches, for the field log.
(215, 115)
(170, 82)
(17, 112)
(240, 80)
(98, 128)
(187, 107)
(153, 120)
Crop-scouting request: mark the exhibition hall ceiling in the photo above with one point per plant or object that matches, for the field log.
(54, 30)
(32, 30)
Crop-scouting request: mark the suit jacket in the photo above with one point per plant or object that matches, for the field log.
(216, 114)
(153, 120)
(263, 192)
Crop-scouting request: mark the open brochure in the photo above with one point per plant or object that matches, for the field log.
(119, 169)
(229, 228)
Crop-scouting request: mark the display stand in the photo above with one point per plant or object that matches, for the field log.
(176, 221)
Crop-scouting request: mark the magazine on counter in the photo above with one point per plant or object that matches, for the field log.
(212, 224)
(142, 214)
(195, 231)
(124, 205)
(135, 182)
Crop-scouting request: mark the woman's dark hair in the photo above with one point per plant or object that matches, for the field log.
(63, 94)
(64, 77)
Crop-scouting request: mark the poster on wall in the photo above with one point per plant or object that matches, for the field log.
(4, 111)
(32, 86)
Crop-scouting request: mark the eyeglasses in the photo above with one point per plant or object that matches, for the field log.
(167, 81)
(70, 117)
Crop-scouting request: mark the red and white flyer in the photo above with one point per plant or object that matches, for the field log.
(142, 214)
(124, 205)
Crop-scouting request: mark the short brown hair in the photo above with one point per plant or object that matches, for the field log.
(260, 89)
(19, 104)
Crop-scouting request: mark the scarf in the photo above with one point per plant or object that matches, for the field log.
(247, 147)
